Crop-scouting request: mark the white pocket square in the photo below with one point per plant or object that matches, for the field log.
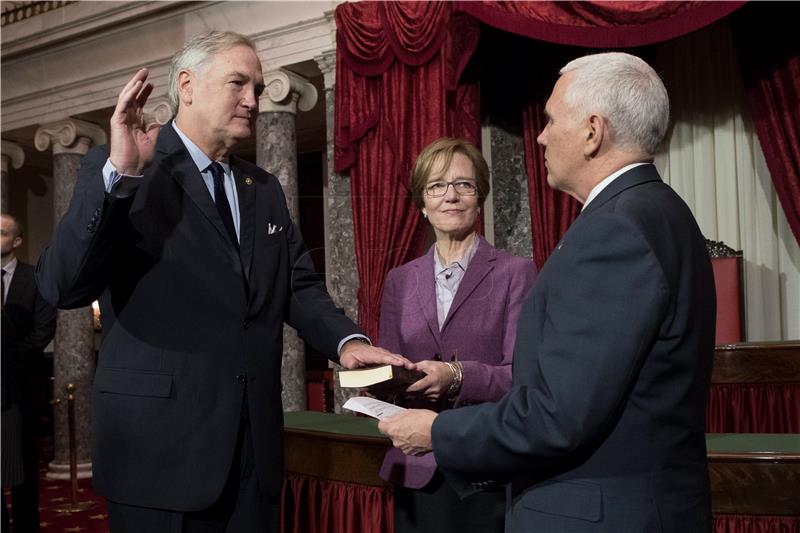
(273, 228)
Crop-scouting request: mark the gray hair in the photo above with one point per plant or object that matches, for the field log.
(626, 91)
(196, 52)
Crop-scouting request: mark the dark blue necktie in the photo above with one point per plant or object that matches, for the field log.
(221, 199)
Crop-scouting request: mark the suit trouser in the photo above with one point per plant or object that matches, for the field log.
(241, 508)
(25, 497)
(436, 508)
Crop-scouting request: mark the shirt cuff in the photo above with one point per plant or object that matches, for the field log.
(119, 185)
(344, 341)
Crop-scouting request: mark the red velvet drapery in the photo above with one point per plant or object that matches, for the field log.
(587, 24)
(733, 523)
(324, 506)
(552, 211)
(753, 408)
(770, 64)
(397, 89)
(598, 24)
(389, 50)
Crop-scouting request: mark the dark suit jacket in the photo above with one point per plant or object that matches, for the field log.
(603, 428)
(28, 324)
(479, 331)
(187, 322)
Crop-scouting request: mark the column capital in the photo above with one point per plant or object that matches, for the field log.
(286, 91)
(69, 136)
(326, 62)
(157, 111)
(12, 153)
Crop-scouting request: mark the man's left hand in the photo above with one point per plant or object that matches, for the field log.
(410, 430)
(356, 354)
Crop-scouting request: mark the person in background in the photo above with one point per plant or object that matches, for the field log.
(28, 325)
(454, 312)
(197, 265)
(603, 428)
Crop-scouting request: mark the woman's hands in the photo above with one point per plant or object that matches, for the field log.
(437, 381)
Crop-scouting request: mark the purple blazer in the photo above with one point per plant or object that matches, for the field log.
(479, 331)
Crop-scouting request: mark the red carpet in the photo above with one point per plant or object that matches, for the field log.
(55, 494)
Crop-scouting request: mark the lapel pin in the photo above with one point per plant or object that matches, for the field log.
(248, 180)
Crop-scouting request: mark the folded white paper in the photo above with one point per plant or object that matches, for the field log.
(372, 407)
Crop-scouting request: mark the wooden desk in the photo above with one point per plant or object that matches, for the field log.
(332, 483)
(752, 474)
(755, 388)
(335, 447)
(757, 362)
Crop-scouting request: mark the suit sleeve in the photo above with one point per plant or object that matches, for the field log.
(43, 325)
(487, 383)
(311, 311)
(602, 312)
(73, 268)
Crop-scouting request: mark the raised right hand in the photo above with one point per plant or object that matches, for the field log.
(131, 146)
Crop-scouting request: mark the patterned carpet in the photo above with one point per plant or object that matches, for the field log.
(55, 495)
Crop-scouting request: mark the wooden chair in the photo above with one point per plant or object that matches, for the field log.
(319, 390)
(728, 279)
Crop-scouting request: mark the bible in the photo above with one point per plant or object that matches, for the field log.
(380, 378)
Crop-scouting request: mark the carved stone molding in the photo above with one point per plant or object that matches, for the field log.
(327, 65)
(157, 111)
(12, 153)
(286, 91)
(70, 136)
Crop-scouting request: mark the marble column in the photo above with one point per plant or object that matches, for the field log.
(340, 252)
(276, 151)
(12, 156)
(73, 356)
(512, 214)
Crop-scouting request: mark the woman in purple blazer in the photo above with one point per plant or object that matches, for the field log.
(454, 312)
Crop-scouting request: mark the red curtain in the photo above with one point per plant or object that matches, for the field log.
(397, 89)
(754, 408)
(311, 505)
(552, 211)
(599, 24)
(731, 523)
(400, 85)
(587, 24)
(770, 63)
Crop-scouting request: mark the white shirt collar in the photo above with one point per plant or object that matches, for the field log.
(198, 156)
(463, 263)
(607, 181)
(10, 267)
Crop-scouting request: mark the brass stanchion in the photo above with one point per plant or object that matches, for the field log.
(74, 506)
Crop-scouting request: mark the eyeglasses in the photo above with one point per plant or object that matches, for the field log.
(439, 188)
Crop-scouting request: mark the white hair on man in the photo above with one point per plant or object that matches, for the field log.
(626, 91)
(196, 52)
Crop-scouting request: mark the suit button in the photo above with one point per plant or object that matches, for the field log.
(241, 379)
(246, 324)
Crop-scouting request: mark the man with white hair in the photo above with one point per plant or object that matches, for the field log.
(197, 265)
(603, 429)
